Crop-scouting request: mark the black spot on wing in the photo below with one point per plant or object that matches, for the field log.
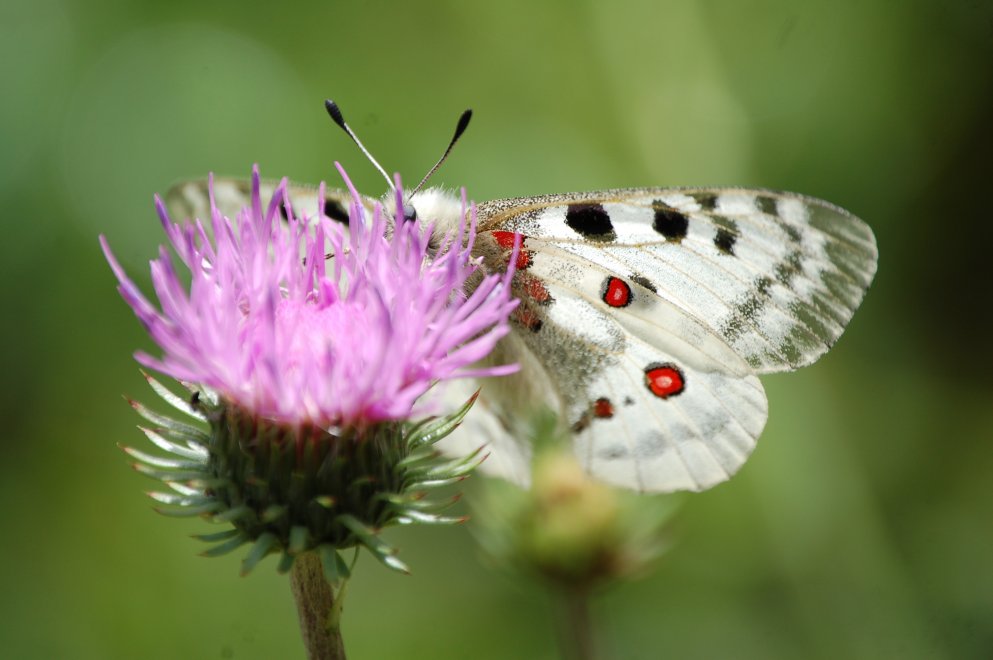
(334, 210)
(766, 204)
(591, 221)
(707, 201)
(669, 222)
(582, 423)
(643, 281)
(724, 240)
(727, 233)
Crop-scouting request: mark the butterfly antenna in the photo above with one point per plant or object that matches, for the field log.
(459, 130)
(336, 116)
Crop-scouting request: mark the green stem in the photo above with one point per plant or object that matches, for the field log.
(575, 625)
(318, 608)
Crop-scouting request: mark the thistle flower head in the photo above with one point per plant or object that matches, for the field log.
(309, 346)
(313, 321)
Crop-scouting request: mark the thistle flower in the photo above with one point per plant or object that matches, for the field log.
(308, 347)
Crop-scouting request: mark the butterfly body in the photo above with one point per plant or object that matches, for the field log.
(646, 316)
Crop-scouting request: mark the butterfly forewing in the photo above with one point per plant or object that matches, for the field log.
(776, 275)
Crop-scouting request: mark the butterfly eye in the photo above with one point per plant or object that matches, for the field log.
(409, 212)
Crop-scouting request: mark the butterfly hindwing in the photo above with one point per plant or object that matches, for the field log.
(653, 423)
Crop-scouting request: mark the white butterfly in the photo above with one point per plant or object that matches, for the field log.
(646, 316)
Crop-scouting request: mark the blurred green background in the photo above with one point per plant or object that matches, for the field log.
(862, 527)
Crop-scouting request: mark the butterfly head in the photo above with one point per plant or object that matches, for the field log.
(441, 208)
(437, 207)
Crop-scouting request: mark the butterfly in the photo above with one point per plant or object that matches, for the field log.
(646, 316)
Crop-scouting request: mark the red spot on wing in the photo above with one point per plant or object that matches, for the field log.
(506, 239)
(526, 317)
(664, 380)
(603, 408)
(616, 292)
(536, 290)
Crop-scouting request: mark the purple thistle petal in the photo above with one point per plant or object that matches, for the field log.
(398, 197)
(256, 208)
(266, 323)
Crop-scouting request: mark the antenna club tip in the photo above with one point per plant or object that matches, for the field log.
(335, 112)
(463, 121)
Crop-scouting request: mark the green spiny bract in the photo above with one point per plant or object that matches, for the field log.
(291, 489)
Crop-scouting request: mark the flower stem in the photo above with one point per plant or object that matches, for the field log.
(575, 626)
(318, 609)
